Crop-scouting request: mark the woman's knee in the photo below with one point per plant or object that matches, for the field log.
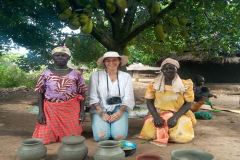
(101, 129)
(119, 130)
(101, 136)
(185, 139)
(119, 137)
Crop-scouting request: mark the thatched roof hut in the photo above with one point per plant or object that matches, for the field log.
(141, 67)
(203, 59)
(140, 71)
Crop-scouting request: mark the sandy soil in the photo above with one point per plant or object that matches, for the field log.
(219, 136)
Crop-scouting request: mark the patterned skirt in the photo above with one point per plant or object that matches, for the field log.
(62, 119)
(181, 133)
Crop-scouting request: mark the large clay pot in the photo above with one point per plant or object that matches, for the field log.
(148, 157)
(109, 150)
(72, 148)
(32, 149)
(195, 154)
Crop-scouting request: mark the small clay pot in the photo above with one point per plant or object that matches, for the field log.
(148, 157)
(32, 149)
(72, 148)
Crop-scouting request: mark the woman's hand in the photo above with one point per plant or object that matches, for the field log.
(105, 117)
(41, 118)
(172, 121)
(82, 116)
(116, 116)
(158, 121)
(100, 112)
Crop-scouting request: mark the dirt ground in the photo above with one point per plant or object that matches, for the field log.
(219, 136)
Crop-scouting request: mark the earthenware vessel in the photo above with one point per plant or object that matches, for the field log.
(190, 154)
(148, 157)
(109, 150)
(72, 148)
(32, 149)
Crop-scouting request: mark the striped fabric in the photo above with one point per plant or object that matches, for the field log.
(62, 119)
(60, 88)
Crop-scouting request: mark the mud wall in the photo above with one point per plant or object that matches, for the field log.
(213, 72)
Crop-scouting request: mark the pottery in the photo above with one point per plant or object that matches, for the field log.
(148, 157)
(32, 149)
(190, 154)
(72, 148)
(109, 150)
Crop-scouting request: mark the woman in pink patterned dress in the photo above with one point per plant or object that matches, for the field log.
(61, 93)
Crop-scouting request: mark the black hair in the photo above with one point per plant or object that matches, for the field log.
(198, 78)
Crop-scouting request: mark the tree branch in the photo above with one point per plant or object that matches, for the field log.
(150, 21)
(98, 16)
(75, 5)
(104, 39)
(107, 15)
(129, 17)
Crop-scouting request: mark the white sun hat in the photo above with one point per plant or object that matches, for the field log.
(112, 54)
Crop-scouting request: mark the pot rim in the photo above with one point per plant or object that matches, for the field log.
(115, 144)
(73, 139)
(148, 155)
(34, 141)
(192, 151)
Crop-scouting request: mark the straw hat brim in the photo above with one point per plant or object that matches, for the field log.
(124, 60)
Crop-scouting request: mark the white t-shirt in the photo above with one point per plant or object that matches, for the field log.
(98, 91)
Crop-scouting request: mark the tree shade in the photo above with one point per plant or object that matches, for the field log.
(149, 28)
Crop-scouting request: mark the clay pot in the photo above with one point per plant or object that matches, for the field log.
(148, 157)
(191, 154)
(32, 149)
(109, 150)
(72, 148)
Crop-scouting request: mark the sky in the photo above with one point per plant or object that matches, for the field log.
(20, 50)
(24, 51)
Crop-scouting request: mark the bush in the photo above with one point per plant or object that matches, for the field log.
(12, 76)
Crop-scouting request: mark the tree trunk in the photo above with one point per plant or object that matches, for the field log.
(119, 48)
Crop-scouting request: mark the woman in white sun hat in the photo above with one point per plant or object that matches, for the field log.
(111, 96)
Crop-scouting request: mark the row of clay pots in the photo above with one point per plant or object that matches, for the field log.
(72, 148)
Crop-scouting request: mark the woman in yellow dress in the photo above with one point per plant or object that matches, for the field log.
(169, 100)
